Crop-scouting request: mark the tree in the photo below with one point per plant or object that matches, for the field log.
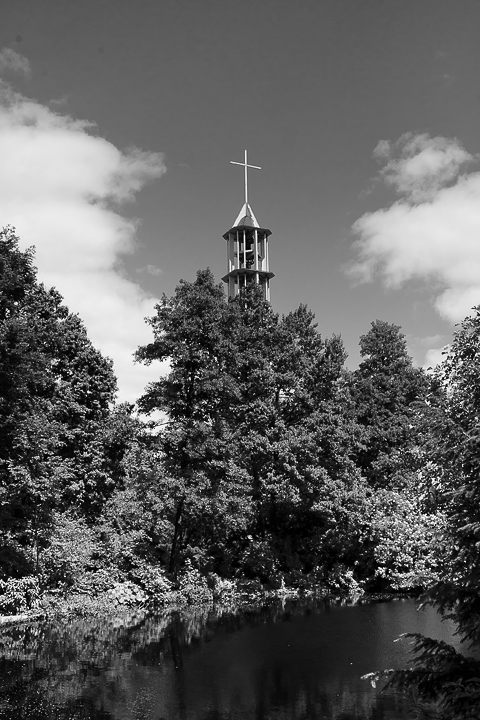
(387, 390)
(194, 330)
(442, 675)
(258, 446)
(191, 331)
(55, 391)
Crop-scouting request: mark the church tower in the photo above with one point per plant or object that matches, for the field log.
(247, 248)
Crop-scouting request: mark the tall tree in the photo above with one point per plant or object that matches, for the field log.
(193, 330)
(55, 390)
(387, 389)
(259, 438)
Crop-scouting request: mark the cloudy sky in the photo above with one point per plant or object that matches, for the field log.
(118, 119)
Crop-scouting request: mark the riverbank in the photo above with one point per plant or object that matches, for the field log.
(124, 597)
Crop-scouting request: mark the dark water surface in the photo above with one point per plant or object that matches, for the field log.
(292, 660)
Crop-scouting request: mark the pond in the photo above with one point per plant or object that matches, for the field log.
(295, 660)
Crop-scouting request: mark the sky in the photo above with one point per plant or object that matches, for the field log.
(119, 119)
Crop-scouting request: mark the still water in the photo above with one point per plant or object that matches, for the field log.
(289, 660)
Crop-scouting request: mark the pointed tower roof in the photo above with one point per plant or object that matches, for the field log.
(247, 248)
(246, 218)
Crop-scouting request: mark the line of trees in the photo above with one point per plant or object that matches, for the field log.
(285, 464)
(275, 463)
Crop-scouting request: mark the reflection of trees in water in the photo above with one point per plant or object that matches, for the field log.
(34, 700)
(97, 669)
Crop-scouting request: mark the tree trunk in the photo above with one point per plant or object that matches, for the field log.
(172, 565)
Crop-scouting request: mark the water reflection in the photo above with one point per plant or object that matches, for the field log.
(293, 660)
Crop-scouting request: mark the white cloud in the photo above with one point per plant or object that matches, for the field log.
(422, 348)
(151, 270)
(434, 357)
(62, 187)
(11, 60)
(430, 340)
(431, 234)
(418, 165)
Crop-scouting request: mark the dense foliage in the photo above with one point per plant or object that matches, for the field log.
(274, 464)
(283, 465)
(443, 675)
(55, 392)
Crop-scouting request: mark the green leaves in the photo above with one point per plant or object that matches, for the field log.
(387, 391)
(259, 410)
(55, 393)
(440, 674)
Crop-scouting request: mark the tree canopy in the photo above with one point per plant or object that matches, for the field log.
(55, 393)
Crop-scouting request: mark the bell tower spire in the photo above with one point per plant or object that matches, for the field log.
(247, 248)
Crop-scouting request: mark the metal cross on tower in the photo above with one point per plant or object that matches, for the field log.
(246, 165)
(247, 248)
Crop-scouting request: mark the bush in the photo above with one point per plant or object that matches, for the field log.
(151, 579)
(258, 560)
(341, 579)
(409, 545)
(95, 583)
(18, 596)
(193, 585)
(127, 594)
(222, 589)
(73, 546)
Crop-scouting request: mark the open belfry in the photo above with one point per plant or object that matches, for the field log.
(247, 248)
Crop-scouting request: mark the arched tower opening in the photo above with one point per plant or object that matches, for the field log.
(247, 249)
